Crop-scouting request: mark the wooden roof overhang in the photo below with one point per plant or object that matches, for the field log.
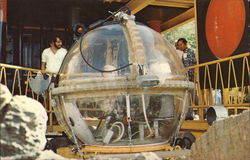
(49, 13)
(177, 12)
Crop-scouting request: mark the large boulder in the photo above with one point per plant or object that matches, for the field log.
(226, 139)
(5, 96)
(22, 125)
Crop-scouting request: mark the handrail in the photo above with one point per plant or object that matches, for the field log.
(11, 74)
(24, 68)
(232, 95)
(220, 60)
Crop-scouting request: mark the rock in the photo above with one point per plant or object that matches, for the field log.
(42, 155)
(5, 96)
(226, 139)
(131, 156)
(22, 125)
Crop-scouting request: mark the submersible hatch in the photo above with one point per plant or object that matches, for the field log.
(121, 84)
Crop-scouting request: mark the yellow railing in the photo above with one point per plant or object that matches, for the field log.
(229, 76)
(233, 97)
(17, 80)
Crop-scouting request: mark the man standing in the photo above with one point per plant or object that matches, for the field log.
(52, 59)
(188, 59)
(53, 56)
(188, 56)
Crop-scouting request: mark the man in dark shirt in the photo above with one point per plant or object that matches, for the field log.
(188, 59)
(188, 56)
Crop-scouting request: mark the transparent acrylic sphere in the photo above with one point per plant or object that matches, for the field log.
(120, 89)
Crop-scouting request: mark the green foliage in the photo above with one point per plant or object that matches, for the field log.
(186, 31)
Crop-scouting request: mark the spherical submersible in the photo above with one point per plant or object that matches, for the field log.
(121, 84)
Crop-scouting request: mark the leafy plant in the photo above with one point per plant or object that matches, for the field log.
(186, 31)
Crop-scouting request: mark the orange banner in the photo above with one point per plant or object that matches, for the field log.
(3, 11)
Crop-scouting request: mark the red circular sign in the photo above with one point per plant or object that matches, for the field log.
(225, 23)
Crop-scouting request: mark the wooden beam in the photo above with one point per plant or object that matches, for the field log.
(176, 26)
(195, 125)
(137, 5)
(178, 1)
(174, 3)
(186, 16)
